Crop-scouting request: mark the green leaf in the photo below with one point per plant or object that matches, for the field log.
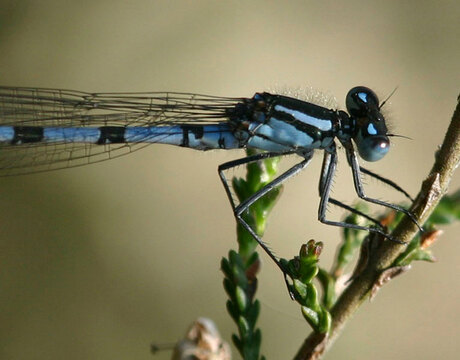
(325, 322)
(447, 211)
(238, 343)
(232, 310)
(244, 328)
(225, 267)
(241, 299)
(328, 284)
(242, 267)
(352, 240)
(253, 312)
(312, 297)
(301, 288)
(229, 287)
(311, 316)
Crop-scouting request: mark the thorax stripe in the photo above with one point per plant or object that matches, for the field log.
(321, 124)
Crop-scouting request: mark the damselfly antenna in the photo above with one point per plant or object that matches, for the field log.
(388, 98)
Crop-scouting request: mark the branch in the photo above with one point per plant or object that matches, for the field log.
(431, 192)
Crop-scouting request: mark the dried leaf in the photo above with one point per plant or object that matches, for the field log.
(202, 342)
(429, 238)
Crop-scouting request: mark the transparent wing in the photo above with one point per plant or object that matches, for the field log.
(67, 108)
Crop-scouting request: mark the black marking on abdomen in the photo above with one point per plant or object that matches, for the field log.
(27, 134)
(196, 130)
(111, 135)
(221, 142)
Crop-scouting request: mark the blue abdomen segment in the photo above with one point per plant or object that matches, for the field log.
(200, 137)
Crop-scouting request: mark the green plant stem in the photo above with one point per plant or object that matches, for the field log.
(431, 192)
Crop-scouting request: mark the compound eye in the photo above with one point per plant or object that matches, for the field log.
(373, 148)
(359, 100)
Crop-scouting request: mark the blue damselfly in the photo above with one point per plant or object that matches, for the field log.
(47, 129)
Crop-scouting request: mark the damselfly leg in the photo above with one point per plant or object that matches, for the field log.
(327, 174)
(240, 209)
(355, 168)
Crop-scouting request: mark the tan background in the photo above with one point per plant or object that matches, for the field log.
(97, 262)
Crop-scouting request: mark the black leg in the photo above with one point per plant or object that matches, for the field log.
(355, 211)
(327, 175)
(353, 161)
(234, 163)
(243, 206)
(326, 162)
(386, 181)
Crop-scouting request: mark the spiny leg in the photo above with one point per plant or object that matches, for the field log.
(327, 176)
(354, 211)
(326, 160)
(244, 206)
(234, 163)
(386, 181)
(355, 168)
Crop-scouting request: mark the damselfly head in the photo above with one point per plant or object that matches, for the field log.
(371, 133)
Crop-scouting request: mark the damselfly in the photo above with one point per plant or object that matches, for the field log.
(47, 129)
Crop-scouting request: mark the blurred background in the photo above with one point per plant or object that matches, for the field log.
(100, 261)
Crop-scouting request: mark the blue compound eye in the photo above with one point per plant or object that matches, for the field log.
(360, 100)
(372, 148)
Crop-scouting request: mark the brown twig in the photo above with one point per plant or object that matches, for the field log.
(431, 192)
